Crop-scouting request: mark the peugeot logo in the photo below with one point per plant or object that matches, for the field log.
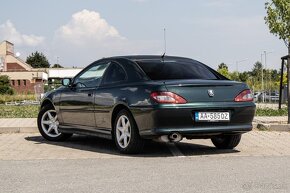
(210, 93)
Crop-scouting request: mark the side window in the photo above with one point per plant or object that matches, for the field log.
(92, 76)
(115, 74)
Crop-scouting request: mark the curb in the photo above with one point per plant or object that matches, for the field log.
(272, 127)
(18, 130)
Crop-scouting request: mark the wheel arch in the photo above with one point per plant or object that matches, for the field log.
(46, 102)
(115, 112)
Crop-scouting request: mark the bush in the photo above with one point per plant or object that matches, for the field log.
(5, 87)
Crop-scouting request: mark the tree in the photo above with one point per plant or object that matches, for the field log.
(37, 60)
(223, 65)
(235, 76)
(5, 87)
(57, 66)
(257, 71)
(278, 21)
(244, 76)
(223, 70)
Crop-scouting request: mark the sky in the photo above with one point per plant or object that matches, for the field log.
(78, 32)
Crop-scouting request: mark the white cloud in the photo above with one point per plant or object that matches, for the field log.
(87, 27)
(10, 33)
(88, 37)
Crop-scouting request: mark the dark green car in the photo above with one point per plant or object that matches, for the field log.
(132, 98)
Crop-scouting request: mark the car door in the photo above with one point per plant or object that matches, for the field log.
(77, 101)
(108, 94)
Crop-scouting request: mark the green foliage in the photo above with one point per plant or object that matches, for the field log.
(37, 60)
(243, 76)
(253, 78)
(235, 76)
(29, 111)
(15, 98)
(4, 80)
(5, 87)
(223, 65)
(278, 19)
(257, 71)
(223, 70)
(271, 112)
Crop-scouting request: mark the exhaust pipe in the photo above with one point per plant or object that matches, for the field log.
(175, 137)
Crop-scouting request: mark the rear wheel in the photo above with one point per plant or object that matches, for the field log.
(226, 141)
(47, 122)
(126, 134)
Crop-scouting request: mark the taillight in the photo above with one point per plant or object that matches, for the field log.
(167, 98)
(245, 96)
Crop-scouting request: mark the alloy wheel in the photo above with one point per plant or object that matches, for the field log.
(123, 131)
(49, 123)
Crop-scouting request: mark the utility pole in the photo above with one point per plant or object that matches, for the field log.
(268, 86)
(265, 53)
(262, 78)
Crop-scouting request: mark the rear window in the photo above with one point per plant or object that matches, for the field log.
(170, 70)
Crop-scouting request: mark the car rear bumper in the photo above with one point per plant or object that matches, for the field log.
(167, 119)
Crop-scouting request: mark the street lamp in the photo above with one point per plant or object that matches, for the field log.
(237, 63)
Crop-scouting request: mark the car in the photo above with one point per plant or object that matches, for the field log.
(272, 96)
(257, 96)
(130, 99)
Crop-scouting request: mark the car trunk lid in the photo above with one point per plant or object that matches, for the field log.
(205, 90)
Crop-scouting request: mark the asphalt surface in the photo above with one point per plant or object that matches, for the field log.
(260, 163)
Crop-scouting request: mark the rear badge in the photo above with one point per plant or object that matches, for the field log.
(210, 93)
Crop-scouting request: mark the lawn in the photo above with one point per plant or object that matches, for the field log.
(25, 111)
(31, 111)
(271, 112)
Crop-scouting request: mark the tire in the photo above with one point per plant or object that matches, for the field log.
(226, 141)
(126, 133)
(47, 123)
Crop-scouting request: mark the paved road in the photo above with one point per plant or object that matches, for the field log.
(87, 164)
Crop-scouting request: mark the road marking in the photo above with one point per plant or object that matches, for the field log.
(174, 150)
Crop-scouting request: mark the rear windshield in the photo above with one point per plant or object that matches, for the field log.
(169, 70)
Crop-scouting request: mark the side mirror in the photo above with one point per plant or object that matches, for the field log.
(66, 82)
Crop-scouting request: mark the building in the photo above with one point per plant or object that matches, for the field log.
(23, 78)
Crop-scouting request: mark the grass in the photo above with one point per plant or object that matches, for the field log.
(25, 111)
(10, 98)
(271, 112)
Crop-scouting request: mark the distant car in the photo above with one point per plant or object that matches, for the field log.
(132, 98)
(272, 97)
(257, 96)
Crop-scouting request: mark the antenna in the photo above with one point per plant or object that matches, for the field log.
(164, 34)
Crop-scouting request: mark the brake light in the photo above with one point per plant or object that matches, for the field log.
(167, 98)
(244, 96)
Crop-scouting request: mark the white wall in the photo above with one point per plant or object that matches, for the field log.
(62, 72)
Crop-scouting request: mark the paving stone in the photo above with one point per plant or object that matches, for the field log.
(24, 146)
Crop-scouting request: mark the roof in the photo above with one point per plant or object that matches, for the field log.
(150, 57)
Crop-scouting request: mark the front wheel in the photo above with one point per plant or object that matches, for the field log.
(47, 122)
(126, 134)
(226, 141)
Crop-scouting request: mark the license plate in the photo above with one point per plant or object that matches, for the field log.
(212, 116)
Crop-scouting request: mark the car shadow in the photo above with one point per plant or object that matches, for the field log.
(151, 148)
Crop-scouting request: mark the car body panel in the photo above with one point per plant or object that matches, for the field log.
(80, 113)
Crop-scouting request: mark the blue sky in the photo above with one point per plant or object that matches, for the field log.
(77, 32)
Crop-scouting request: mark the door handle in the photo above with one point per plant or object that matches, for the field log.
(90, 94)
